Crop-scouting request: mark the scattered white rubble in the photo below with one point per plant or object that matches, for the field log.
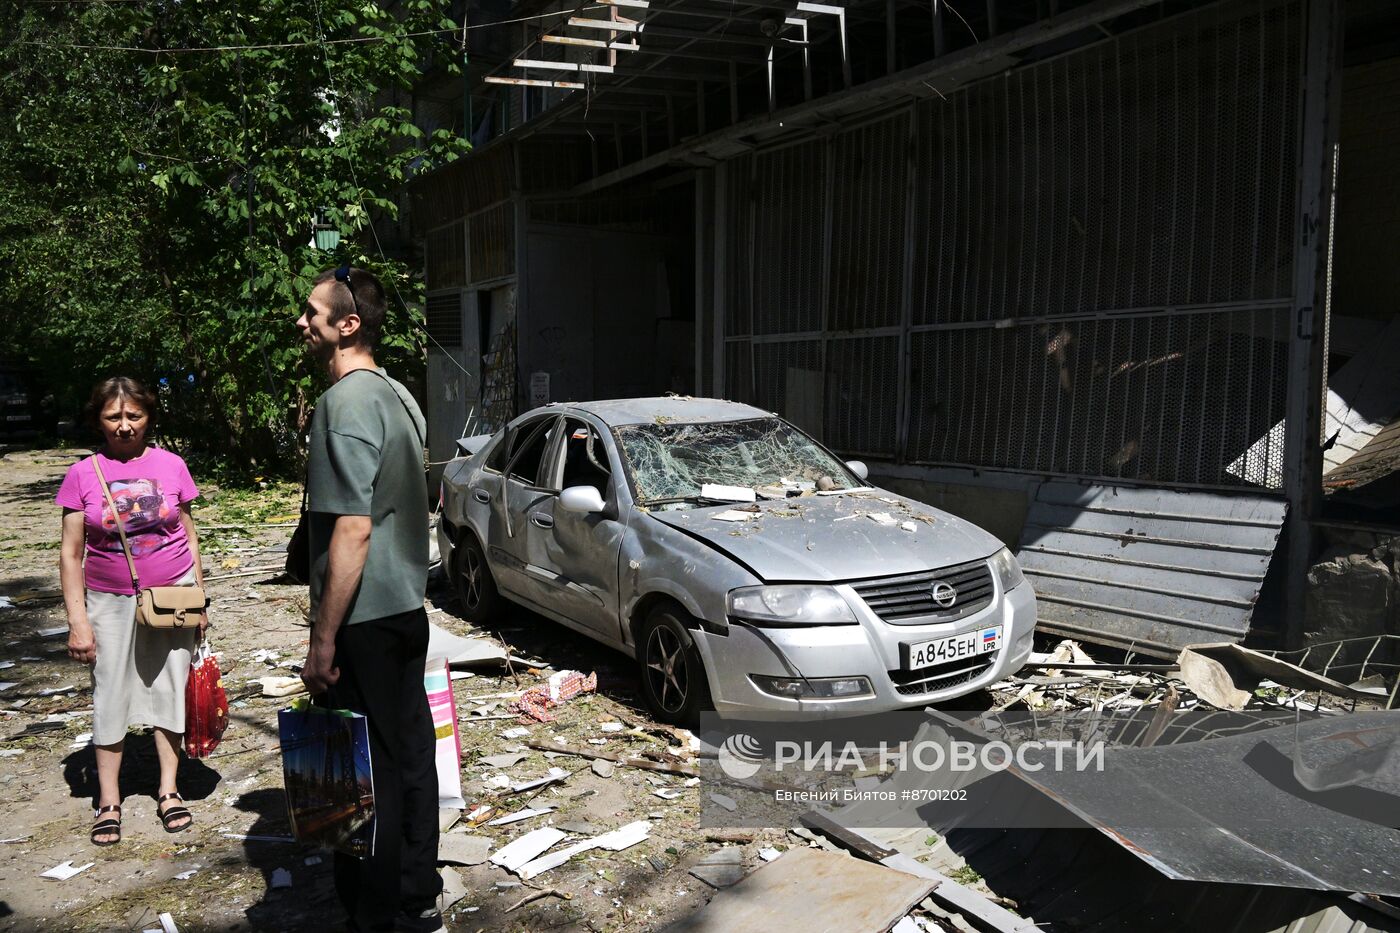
(519, 815)
(281, 878)
(615, 841)
(728, 493)
(526, 848)
(611, 727)
(554, 774)
(727, 802)
(768, 854)
(65, 870)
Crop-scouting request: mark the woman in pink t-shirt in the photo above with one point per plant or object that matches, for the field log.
(138, 673)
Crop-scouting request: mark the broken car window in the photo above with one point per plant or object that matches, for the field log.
(674, 461)
(530, 440)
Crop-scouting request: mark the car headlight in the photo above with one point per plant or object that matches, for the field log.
(790, 605)
(1007, 570)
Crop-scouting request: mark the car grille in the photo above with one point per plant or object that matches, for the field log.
(908, 599)
(943, 676)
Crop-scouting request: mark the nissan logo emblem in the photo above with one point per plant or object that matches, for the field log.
(943, 593)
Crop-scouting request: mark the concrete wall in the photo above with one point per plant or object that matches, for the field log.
(1366, 277)
(597, 315)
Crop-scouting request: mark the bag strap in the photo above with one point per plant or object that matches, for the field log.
(121, 532)
(422, 442)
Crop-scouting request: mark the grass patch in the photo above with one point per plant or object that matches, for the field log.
(966, 875)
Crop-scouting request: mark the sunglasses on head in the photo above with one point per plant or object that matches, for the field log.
(343, 275)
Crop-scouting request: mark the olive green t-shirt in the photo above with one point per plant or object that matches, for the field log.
(366, 458)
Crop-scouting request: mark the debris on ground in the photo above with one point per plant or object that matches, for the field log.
(561, 687)
(812, 889)
(462, 849)
(65, 870)
(720, 868)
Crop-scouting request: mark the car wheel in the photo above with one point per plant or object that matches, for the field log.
(476, 588)
(673, 676)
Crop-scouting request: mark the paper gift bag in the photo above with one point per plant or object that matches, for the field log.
(326, 771)
(437, 680)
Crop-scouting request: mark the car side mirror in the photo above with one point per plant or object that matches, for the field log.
(583, 499)
(859, 468)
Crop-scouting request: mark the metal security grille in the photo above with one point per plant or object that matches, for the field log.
(789, 192)
(1095, 278)
(491, 236)
(445, 256)
(867, 229)
(1152, 171)
(862, 382)
(444, 319)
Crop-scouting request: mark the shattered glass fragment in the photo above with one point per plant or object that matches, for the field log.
(676, 461)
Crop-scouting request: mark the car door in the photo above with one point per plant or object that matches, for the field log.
(578, 552)
(516, 477)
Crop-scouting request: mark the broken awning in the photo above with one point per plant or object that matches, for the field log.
(1151, 569)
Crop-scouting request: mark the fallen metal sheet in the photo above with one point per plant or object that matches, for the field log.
(1150, 569)
(1230, 809)
(461, 651)
(1077, 879)
(811, 890)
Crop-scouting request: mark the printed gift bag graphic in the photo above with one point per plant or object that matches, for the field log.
(438, 682)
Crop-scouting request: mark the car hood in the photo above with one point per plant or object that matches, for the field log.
(832, 538)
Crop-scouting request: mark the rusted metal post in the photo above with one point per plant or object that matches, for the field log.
(1302, 450)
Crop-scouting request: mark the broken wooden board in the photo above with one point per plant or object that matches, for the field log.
(812, 891)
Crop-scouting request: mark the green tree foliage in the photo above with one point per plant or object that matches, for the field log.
(156, 209)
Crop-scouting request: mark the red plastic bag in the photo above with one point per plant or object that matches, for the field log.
(206, 705)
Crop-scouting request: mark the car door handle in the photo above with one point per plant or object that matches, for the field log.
(480, 496)
(542, 520)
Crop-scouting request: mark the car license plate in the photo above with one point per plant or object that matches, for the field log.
(953, 648)
(16, 417)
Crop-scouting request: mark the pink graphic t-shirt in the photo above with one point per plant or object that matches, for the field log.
(148, 491)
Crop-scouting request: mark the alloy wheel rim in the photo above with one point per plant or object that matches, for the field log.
(667, 671)
(471, 574)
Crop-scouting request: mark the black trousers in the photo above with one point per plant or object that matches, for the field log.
(381, 675)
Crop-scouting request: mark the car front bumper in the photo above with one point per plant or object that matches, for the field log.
(870, 649)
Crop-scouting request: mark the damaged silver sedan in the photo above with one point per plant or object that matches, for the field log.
(740, 562)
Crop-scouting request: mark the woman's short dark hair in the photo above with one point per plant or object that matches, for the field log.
(120, 387)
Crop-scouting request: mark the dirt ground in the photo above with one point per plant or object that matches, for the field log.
(210, 879)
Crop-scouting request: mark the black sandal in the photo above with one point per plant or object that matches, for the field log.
(173, 813)
(106, 827)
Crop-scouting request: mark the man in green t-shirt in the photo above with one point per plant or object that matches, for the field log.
(367, 531)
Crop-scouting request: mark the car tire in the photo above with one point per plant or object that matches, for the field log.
(674, 684)
(471, 577)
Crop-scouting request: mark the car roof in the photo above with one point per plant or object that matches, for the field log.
(663, 409)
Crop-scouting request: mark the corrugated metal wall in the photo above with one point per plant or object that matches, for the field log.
(1078, 267)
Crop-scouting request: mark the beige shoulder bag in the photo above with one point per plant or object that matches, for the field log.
(156, 606)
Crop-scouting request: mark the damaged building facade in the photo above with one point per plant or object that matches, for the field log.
(1105, 278)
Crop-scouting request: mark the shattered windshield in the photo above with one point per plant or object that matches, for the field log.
(670, 462)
